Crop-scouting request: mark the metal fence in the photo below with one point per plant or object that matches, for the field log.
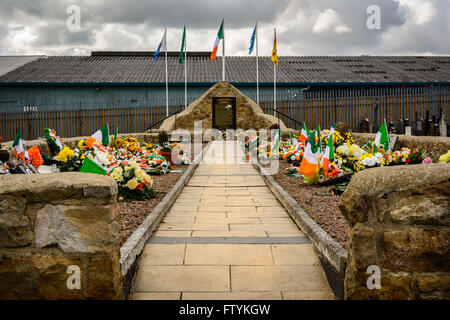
(350, 106)
(315, 107)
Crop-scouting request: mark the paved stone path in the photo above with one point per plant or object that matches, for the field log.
(227, 237)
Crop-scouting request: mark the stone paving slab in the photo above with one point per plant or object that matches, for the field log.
(233, 240)
(232, 296)
(278, 278)
(183, 278)
(228, 237)
(228, 254)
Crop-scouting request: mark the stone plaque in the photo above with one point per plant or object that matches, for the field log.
(224, 113)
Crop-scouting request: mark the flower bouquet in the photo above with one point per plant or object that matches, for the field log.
(53, 141)
(445, 158)
(133, 183)
(166, 151)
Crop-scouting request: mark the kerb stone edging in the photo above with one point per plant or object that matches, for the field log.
(329, 248)
(133, 247)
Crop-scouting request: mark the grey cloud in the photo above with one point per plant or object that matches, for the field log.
(140, 21)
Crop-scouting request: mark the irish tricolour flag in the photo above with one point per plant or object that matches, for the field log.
(216, 43)
(304, 134)
(382, 137)
(102, 135)
(310, 158)
(328, 157)
(276, 143)
(19, 151)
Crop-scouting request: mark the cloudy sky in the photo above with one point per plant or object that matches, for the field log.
(304, 27)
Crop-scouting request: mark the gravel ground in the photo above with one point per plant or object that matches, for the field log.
(322, 208)
(134, 213)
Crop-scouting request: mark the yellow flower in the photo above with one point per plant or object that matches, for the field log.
(138, 173)
(82, 157)
(80, 144)
(134, 164)
(65, 154)
(149, 181)
(132, 184)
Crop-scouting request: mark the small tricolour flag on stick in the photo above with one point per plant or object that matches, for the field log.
(333, 129)
(19, 151)
(102, 135)
(310, 159)
(305, 133)
(276, 143)
(294, 140)
(216, 43)
(318, 140)
(328, 156)
(90, 166)
(382, 137)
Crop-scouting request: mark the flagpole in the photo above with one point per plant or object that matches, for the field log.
(167, 81)
(275, 82)
(257, 66)
(223, 51)
(185, 71)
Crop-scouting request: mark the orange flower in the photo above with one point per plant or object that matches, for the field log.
(35, 156)
(89, 142)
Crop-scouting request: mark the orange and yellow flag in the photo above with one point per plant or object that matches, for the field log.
(274, 56)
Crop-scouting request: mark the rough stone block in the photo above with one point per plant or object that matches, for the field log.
(417, 250)
(437, 281)
(76, 229)
(15, 228)
(37, 278)
(104, 278)
(363, 245)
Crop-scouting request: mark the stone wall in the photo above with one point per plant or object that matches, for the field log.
(49, 222)
(433, 146)
(399, 220)
(248, 114)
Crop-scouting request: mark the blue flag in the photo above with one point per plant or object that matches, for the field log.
(252, 41)
(162, 46)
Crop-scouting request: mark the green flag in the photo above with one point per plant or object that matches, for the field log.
(102, 135)
(382, 137)
(306, 128)
(90, 166)
(374, 149)
(319, 143)
(183, 43)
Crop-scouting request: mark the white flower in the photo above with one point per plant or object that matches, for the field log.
(343, 150)
(369, 162)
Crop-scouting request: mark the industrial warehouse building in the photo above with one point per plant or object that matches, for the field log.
(127, 89)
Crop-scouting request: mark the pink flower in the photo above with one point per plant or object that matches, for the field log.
(427, 160)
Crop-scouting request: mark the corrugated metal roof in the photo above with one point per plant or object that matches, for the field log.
(129, 68)
(10, 63)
